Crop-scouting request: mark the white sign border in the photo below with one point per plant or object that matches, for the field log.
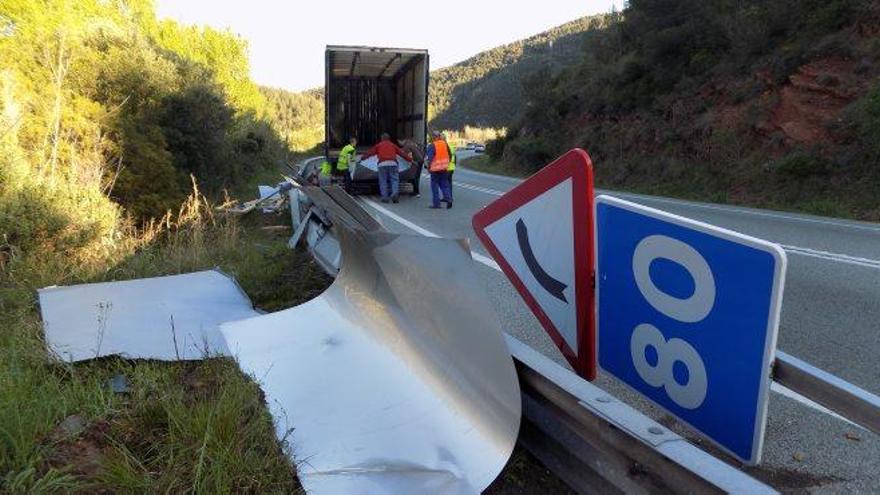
(770, 341)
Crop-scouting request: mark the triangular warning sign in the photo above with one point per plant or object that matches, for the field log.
(541, 235)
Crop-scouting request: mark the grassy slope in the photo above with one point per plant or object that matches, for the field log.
(484, 163)
(195, 426)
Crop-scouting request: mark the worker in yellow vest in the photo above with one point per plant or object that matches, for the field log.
(326, 173)
(346, 157)
(437, 157)
(452, 160)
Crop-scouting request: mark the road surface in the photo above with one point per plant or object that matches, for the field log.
(830, 318)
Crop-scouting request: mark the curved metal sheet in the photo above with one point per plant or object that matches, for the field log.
(396, 379)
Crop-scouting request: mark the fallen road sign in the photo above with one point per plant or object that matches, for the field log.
(541, 235)
(687, 316)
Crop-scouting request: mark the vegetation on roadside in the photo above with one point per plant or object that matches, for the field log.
(766, 103)
(298, 117)
(485, 163)
(197, 426)
(474, 135)
(107, 118)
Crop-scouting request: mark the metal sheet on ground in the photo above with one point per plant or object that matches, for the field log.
(133, 318)
(394, 380)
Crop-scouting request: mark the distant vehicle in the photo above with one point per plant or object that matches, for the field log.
(480, 148)
(369, 91)
(470, 146)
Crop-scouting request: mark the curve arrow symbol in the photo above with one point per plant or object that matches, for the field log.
(550, 284)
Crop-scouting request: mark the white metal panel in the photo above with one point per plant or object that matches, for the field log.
(396, 379)
(133, 318)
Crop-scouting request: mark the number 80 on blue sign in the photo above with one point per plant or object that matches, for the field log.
(687, 316)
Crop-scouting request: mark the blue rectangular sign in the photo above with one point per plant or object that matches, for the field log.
(687, 316)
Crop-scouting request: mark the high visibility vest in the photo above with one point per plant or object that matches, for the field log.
(440, 163)
(326, 168)
(345, 157)
(451, 157)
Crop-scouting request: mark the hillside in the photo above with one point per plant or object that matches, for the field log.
(486, 90)
(769, 103)
(297, 116)
(111, 123)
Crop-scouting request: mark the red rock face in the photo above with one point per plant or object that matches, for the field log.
(813, 98)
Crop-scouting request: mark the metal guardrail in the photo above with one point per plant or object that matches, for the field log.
(844, 398)
(596, 443)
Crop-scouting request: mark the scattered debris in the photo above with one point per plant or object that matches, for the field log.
(852, 436)
(71, 426)
(799, 456)
(119, 384)
(271, 200)
(133, 318)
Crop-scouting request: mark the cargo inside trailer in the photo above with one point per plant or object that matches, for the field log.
(374, 90)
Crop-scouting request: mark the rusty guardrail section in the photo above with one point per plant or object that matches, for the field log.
(589, 439)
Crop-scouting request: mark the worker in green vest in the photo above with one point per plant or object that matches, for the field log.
(326, 172)
(452, 161)
(346, 156)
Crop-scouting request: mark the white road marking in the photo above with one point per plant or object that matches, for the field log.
(465, 185)
(840, 258)
(397, 218)
(778, 388)
(791, 394)
(847, 225)
(743, 211)
(813, 253)
(425, 232)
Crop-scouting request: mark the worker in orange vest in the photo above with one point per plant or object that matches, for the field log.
(438, 157)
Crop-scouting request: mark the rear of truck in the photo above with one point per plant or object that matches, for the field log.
(369, 91)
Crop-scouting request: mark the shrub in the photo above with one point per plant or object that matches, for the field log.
(530, 152)
(801, 165)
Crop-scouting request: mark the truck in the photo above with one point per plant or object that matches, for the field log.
(371, 90)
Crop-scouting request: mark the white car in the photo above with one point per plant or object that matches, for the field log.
(480, 148)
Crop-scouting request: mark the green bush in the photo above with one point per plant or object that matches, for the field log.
(495, 147)
(869, 121)
(530, 152)
(801, 165)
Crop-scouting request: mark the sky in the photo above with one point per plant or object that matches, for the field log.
(287, 38)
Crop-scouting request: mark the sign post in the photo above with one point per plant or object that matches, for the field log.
(541, 235)
(687, 316)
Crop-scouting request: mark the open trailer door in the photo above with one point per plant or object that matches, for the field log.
(370, 90)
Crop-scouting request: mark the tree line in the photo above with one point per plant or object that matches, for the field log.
(105, 112)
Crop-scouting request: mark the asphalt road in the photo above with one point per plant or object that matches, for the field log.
(830, 318)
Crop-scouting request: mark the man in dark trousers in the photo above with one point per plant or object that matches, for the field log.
(389, 178)
(437, 160)
(418, 156)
